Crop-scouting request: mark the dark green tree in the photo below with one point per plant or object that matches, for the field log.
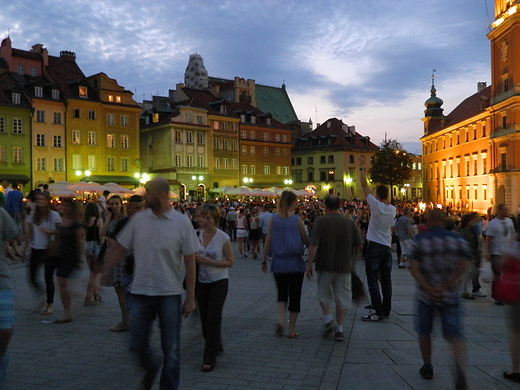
(391, 165)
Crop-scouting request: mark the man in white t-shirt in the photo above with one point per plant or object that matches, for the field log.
(164, 244)
(378, 255)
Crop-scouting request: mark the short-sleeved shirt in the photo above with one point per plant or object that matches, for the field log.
(215, 251)
(39, 239)
(438, 252)
(159, 244)
(381, 219)
(265, 217)
(8, 230)
(501, 230)
(335, 235)
(401, 227)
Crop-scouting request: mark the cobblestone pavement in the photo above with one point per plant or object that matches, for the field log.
(85, 355)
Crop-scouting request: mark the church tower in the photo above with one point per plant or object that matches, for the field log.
(196, 75)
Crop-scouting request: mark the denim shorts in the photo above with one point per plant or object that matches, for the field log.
(451, 319)
(6, 309)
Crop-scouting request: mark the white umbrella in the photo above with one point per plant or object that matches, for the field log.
(62, 192)
(241, 191)
(304, 193)
(139, 191)
(221, 189)
(116, 189)
(60, 185)
(261, 192)
(86, 187)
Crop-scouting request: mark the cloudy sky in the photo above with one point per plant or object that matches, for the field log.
(367, 62)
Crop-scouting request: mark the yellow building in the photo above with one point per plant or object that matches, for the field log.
(471, 157)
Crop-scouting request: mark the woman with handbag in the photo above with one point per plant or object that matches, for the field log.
(92, 224)
(285, 241)
(69, 254)
(212, 281)
(41, 228)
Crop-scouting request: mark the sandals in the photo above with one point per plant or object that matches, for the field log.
(47, 311)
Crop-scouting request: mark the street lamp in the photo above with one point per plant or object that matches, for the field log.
(287, 181)
(143, 177)
(83, 173)
(247, 180)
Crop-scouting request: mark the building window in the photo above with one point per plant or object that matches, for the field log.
(40, 116)
(310, 176)
(277, 137)
(331, 175)
(16, 98)
(467, 167)
(58, 165)
(224, 126)
(253, 119)
(252, 150)
(178, 160)
(76, 113)
(34, 71)
(2, 124)
(278, 170)
(267, 169)
(20, 69)
(40, 139)
(200, 161)
(216, 143)
(124, 164)
(224, 144)
(233, 127)
(503, 162)
(322, 159)
(251, 135)
(124, 120)
(298, 161)
(226, 163)
(110, 98)
(57, 118)
(189, 118)
(38, 91)
(92, 162)
(57, 141)
(92, 115)
(124, 141)
(118, 99)
(178, 136)
(200, 138)
(504, 122)
(76, 161)
(215, 125)
(244, 149)
(155, 117)
(83, 92)
(233, 144)
(110, 119)
(111, 164)
(331, 159)
(323, 176)
(55, 94)
(189, 160)
(92, 138)
(252, 169)
(189, 137)
(2, 154)
(265, 136)
(277, 152)
(284, 152)
(484, 165)
(244, 169)
(242, 118)
(284, 138)
(268, 121)
(475, 167)
(111, 141)
(266, 151)
(41, 164)
(216, 163)
(17, 155)
(234, 164)
(243, 134)
(200, 119)
(76, 137)
(483, 132)
(484, 192)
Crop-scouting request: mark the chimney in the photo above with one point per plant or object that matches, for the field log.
(481, 85)
(38, 48)
(352, 130)
(68, 55)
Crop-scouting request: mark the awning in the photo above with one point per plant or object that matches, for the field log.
(14, 177)
(101, 179)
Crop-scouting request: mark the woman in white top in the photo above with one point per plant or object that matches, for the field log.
(242, 232)
(41, 227)
(212, 281)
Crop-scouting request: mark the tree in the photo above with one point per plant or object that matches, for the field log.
(391, 165)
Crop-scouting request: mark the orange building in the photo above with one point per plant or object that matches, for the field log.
(471, 157)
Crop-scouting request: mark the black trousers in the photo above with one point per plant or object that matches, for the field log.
(37, 259)
(210, 299)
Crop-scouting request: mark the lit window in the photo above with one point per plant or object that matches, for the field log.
(215, 125)
(83, 92)
(155, 118)
(118, 99)
(110, 98)
(111, 141)
(76, 137)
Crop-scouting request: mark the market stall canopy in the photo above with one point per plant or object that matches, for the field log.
(221, 189)
(241, 191)
(261, 192)
(61, 192)
(59, 185)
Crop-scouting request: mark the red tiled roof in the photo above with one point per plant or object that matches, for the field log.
(30, 55)
(64, 72)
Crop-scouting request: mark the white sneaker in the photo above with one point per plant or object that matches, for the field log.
(479, 294)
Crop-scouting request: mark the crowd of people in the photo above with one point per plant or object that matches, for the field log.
(187, 265)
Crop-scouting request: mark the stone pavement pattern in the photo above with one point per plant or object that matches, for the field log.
(85, 355)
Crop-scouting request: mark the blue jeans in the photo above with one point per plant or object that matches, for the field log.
(144, 311)
(378, 262)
